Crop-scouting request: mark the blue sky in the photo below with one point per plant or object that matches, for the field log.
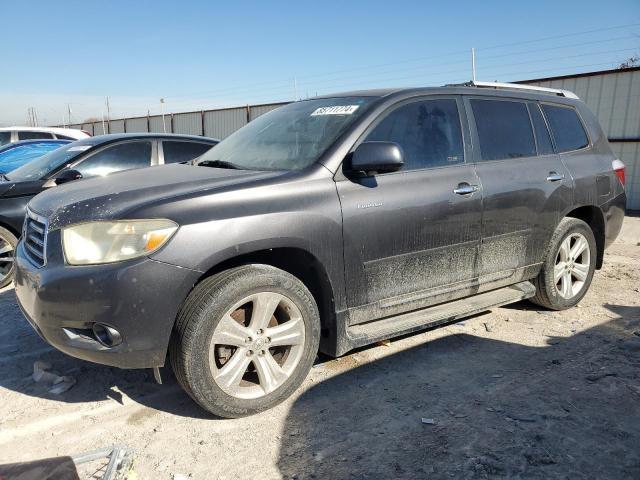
(204, 54)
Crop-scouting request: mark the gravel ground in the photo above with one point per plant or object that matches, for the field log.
(516, 392)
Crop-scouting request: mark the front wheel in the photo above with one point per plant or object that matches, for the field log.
(568, 267)
(245, 339)
(8, 243)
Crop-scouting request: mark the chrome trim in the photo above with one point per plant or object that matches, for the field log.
(38, 259)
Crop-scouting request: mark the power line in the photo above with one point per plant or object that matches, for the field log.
(459, 52)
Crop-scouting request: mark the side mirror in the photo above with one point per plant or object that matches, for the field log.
(377, 157)
(65, 176)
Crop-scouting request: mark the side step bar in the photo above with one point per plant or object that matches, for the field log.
(367, 333)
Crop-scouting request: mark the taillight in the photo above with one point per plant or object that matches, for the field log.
(618, 167)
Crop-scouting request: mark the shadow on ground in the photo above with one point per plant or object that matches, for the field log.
(20, 347)
(567, 410)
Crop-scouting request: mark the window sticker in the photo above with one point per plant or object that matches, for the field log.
(335, 110)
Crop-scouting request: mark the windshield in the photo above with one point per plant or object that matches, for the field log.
(40, 167)
(288, 138)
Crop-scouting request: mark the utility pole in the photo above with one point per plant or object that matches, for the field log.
(164, 125)
(295, 89)
(108, 117)
(69, 113)
(473, 64)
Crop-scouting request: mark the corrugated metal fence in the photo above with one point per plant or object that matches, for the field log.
(210, 123)
(614, 96)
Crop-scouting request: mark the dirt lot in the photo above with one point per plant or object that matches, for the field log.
(515, 392)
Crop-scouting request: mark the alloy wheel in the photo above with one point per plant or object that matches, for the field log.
(7, 251)
(257, 345)
(572, 265)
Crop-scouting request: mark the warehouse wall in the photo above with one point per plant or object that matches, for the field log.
(614, 96)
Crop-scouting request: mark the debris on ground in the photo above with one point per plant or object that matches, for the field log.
(384, 343)
(428, 421)
(59, 383)
(113, 463)
(488, 327)
(117, 462)
(594, 377)
(41, 373)
(62, 384)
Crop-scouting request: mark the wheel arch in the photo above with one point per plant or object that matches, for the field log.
(298, 262)
(592, 216)
(7, 226)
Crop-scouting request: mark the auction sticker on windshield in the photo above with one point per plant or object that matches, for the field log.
(335, 110)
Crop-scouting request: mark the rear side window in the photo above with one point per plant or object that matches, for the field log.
(33, 135)
(428, 131)
(504, 129)
(566, 127)
(178, 152)
(64, 137)
(5, 137)
(122, 156)
(542, 132)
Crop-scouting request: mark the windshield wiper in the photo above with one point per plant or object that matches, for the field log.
(219, 164)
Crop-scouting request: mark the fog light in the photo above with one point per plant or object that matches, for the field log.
(106, 335)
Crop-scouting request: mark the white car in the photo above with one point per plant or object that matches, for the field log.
(14, 134)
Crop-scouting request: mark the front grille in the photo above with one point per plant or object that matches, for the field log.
(35, 238)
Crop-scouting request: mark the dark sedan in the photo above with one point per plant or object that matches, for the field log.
(90, 157)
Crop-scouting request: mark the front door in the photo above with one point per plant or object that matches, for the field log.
(408, 235)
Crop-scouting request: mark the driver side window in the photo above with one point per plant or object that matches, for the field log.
(122, 156)
(428, 132)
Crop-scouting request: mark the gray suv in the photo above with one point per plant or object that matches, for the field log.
(326, 224)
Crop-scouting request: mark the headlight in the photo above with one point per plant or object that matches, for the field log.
(107, 242)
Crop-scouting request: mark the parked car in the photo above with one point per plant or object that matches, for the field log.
(328, 223)
(91, 157)
(15, 134)
(14, 155)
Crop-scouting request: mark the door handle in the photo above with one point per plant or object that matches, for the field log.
(555, 177)
(465, 189)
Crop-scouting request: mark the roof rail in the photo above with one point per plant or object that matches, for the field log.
(517, 86)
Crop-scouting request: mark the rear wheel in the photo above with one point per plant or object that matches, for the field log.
(245, 339)
(8, 243)
(568, 266)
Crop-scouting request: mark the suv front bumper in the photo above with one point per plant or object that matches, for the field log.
(139, 298)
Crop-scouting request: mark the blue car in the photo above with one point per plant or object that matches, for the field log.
(14, 155)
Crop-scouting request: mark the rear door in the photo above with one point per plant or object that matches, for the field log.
(407, 234)
(525, 184)
(174, 151)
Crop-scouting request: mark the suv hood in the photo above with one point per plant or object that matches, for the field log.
(110, 197)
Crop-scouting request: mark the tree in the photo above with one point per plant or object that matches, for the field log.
(632, 61)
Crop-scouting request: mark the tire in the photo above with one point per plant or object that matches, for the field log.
(224, 322)
(550, 289)
(8, 242)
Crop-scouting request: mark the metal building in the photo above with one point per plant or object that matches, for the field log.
(614, 96)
